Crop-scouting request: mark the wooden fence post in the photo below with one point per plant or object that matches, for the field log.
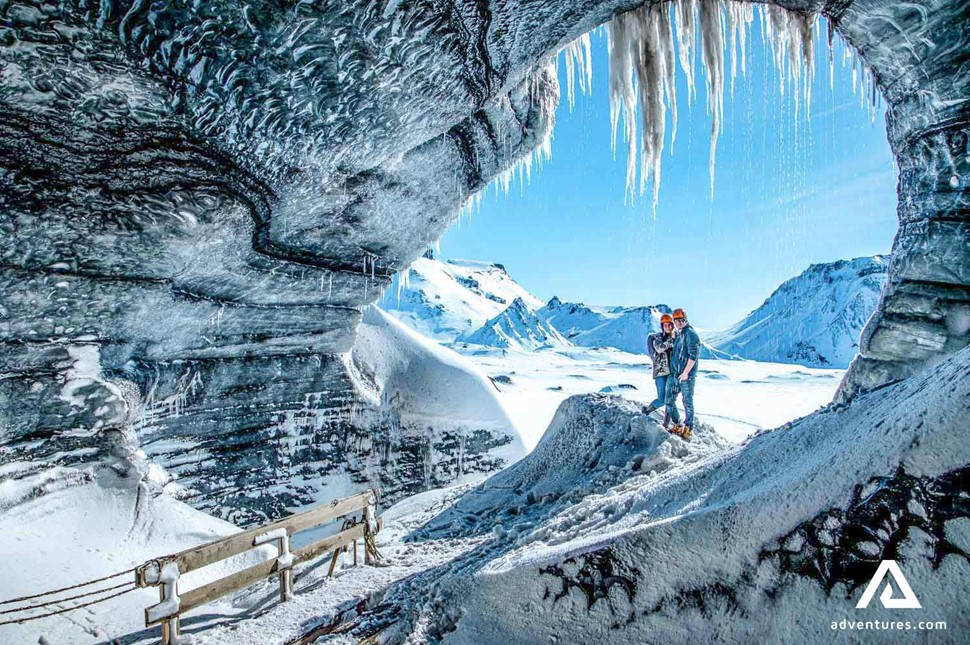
(164, 572)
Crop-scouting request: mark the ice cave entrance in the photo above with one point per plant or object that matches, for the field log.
(734, 163)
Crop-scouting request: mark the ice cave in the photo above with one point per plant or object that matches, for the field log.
(199, 200)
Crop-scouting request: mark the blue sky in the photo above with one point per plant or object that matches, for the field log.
(788, 193)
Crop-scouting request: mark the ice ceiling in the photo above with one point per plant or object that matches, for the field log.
(197, 198)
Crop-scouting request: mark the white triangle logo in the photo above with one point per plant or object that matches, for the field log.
(908, 601)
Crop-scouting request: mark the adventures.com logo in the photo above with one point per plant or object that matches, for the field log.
(908, 601)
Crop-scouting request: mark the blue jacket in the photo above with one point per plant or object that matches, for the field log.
(686, 345)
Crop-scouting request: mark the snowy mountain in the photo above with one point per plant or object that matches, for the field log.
(625, 328)
(814, 319)
(449, 300)
(445, 299)
(517, 327)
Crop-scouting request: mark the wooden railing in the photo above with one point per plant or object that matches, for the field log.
(164, 572)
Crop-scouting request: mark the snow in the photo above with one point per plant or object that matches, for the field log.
(702, 527)
(813, 319)
(594, 440)
(168, 577)
(269, 536)
(517, 327)
(624, 328)
(675, 522)
(443, 300)
(285, 558)
(319, 600)
(92, 530)
(424, 385)
(737, 398)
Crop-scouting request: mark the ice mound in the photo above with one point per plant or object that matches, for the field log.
(437, 418)
(593, 442)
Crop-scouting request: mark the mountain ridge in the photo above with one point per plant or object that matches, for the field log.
(813, 319)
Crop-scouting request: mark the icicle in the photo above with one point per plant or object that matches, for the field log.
(650, 76)
(732, 14)
(621, 38)
(831, 42)
(403, 282)
(684, 12)
(712, 56)
(740, 15)
(641, 41)
(578, 55)
(665, 36)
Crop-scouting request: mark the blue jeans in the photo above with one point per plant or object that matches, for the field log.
(661, 383)
(675, 387)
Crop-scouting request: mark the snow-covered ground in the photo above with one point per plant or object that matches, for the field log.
(737, 398)
(85, 532)
(420, 386)
(614, 530)
(770, 541)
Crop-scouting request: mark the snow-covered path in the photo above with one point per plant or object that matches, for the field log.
(321, 605)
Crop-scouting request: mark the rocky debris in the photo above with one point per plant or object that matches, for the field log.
(845, 546)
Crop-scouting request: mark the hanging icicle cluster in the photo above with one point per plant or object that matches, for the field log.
(579, 63)
(642, 76)
(647, 44)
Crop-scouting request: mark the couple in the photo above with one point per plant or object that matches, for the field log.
(673, 351)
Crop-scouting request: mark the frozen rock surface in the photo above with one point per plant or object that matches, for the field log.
(196, 199)
(594, 441)
(814, 319)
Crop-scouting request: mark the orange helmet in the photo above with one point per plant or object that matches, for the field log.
(680, 313)
(664, 319)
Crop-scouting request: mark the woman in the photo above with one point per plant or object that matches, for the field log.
(659, 345)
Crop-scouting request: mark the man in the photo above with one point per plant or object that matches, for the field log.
(683, 373)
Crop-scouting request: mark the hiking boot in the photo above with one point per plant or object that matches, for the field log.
(676, 429)
(650, 408)
(686, 433)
